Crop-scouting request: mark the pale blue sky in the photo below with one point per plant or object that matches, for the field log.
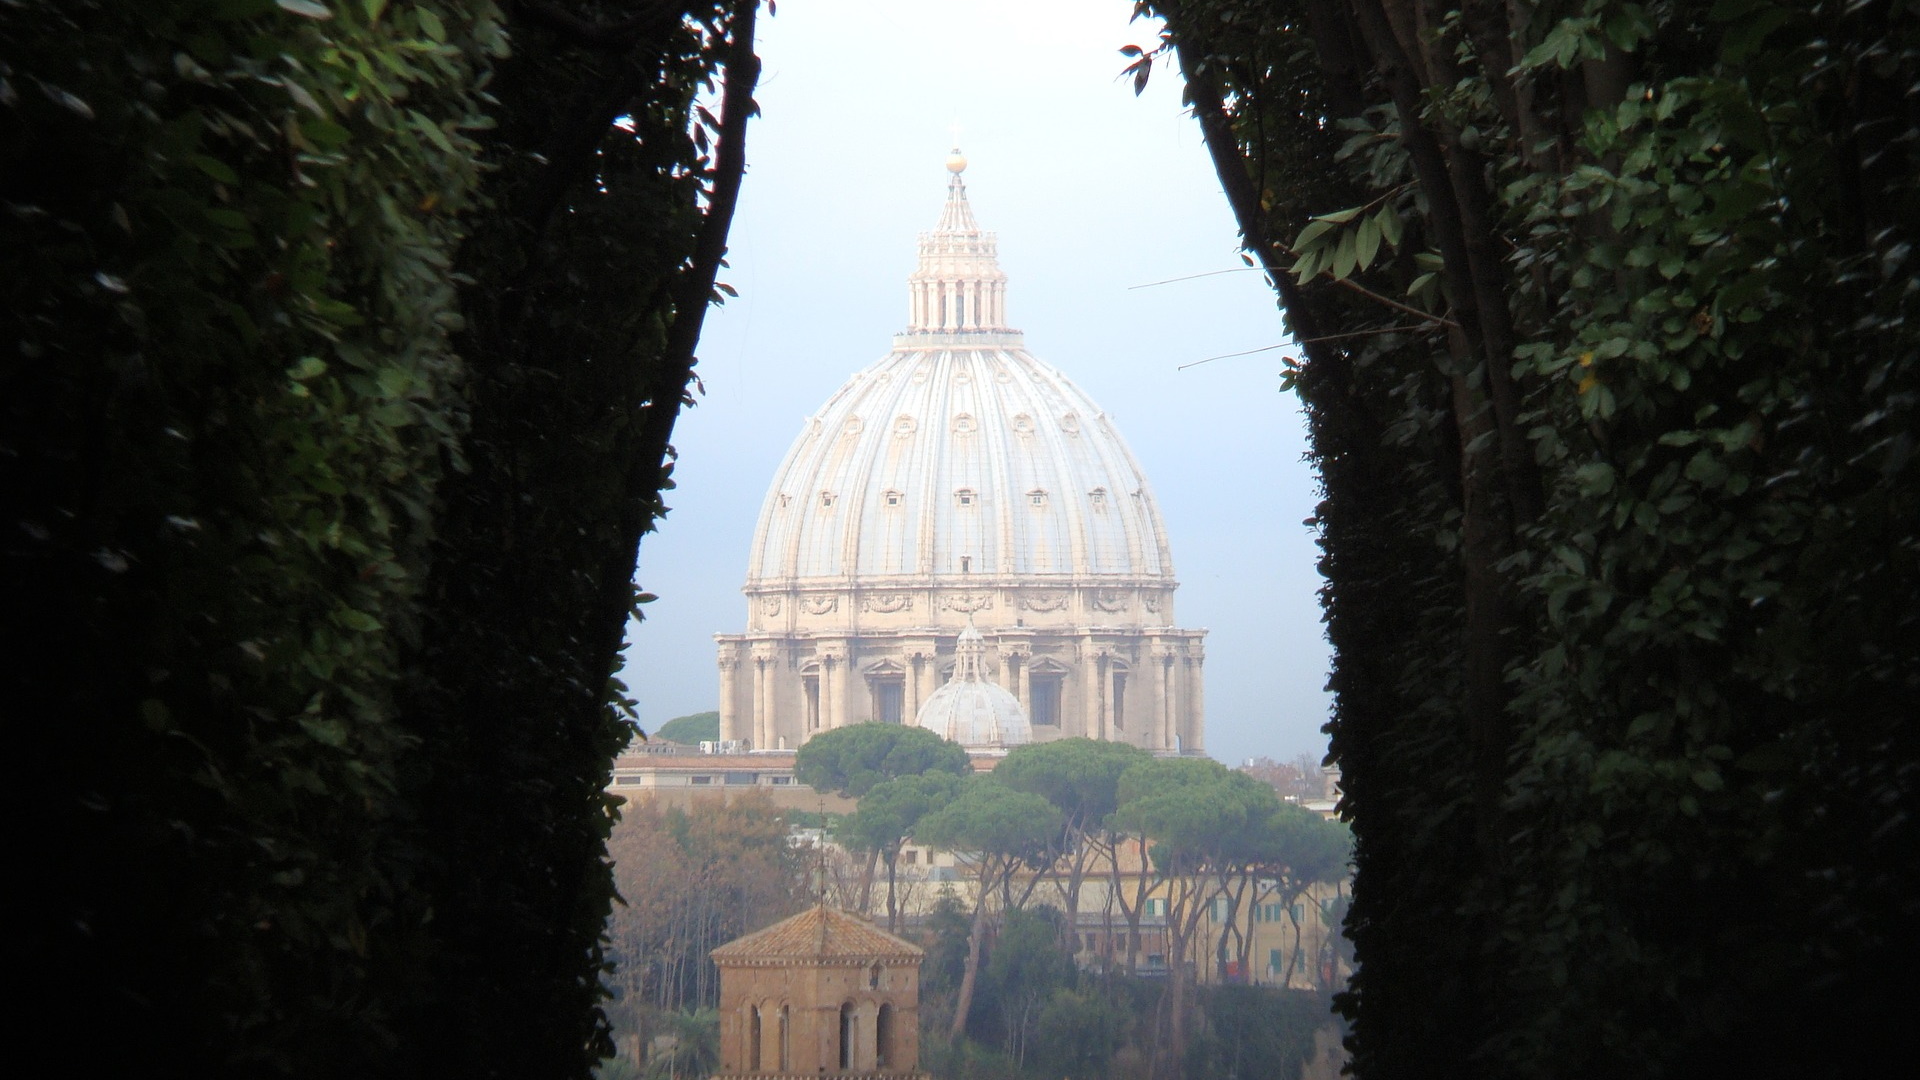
(1092, 192)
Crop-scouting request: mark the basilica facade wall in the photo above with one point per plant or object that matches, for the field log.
(1091, 661)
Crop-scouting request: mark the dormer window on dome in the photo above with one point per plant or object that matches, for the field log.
(1037, 497)
(826, 499)
(964, 497)
(1098, 496)
(893, 498)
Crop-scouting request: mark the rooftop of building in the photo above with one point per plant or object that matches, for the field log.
(819, 933)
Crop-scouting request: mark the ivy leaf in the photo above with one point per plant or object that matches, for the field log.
(1311, 234)
(1343, 257)
(1366, 243)
(215, 168)
(1388, 223)
(307, 367)
(325, 730)
(305, 8)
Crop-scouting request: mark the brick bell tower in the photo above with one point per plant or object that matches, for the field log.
(821, 994)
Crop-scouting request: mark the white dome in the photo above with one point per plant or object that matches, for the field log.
(960, 480)
(970, 710)
(958, 453)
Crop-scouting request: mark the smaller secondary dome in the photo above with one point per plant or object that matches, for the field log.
(970, 710)
(956, 162)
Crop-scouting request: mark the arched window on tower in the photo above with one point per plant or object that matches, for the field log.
(847, 1032)
(786, 1042)
(883, 1037)
(753, 1038)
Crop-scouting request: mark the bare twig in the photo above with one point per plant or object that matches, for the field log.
(1308, 341)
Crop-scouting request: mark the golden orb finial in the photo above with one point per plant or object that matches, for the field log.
(956, 162)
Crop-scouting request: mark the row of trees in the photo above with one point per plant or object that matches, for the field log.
(1038, 1015)
(693, 879)
(1607, 324)
(1052, 815)
(340, 348)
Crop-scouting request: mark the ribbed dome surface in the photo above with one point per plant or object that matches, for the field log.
(958, 453)
(942, 453)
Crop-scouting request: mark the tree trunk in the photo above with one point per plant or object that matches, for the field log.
(893, 905)
(963, 1004)
(866, 882)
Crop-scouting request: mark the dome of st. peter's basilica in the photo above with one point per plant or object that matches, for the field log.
(961, 480)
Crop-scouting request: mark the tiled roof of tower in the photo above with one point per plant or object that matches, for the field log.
(818, 933)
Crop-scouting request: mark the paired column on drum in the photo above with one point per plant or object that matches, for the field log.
(729, 689)
(1196, 704)
(765, 668)
(922, 676)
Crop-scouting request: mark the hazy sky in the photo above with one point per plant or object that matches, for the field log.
(1093, 192)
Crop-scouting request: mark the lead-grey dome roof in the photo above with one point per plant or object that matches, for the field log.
(958, 453)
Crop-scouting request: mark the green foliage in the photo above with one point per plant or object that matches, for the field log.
(994, 822)
(1254, 1031)
(1196, 811)
(690, 1047)
(946, 928)
(691, 880)
(1620, 519)
(888, 813)
(1024, 970)
(851, 760)
(319, 739)
(890, 810)
(967, 1059)
(583, 288)
(1078, 776)
(227, 403)
(693, 728)
(1076, 1034)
